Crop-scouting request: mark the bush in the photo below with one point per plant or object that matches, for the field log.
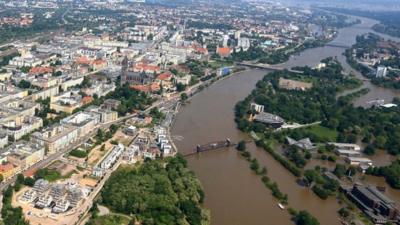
(322, 193)
(285, 163)
(241, 146)
(78, 153)
(305, 218)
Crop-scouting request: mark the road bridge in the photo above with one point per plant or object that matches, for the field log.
(268, 67)
(217, 145)
(338, 45)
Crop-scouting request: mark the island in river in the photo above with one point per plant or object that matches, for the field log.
(234, 195)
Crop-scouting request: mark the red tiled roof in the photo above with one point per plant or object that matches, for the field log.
(87, 99)
(200, 49)
(146, 88)
(6, 167)
(83, 60)
(99, 62)
(30, 172)
(224, 51)
(40, 70)
(146, 67)
(164, 76)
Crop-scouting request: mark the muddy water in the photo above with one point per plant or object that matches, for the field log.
(234, 194)
(347, 37)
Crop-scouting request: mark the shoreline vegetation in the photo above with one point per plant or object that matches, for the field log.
(262, 172)
(338, 117)
(298, 217)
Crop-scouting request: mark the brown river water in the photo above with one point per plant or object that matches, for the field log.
(234, 195)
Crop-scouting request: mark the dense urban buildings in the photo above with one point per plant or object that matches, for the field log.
(89, 90)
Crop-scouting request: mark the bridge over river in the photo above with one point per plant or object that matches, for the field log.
(337, 45)
(267, 67)
(218, 145)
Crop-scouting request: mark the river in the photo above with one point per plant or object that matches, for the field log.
(234, 195)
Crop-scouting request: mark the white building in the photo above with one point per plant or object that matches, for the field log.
(258, 108)
(112, 157)
(381, 71)
(243, 43)
(346, 146)
(357, 161)
(62, 205)
(22, 126)
(225, 41)
(185, 80)
(3, 139)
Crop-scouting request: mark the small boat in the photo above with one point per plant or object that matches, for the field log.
(281, 206)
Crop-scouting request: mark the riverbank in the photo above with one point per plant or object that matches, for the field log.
(233, 194)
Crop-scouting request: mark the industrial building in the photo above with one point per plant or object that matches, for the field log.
(379, 208)
(269, 119)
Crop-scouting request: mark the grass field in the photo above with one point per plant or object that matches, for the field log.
(218, 64)
(323, 132)
(109, 220)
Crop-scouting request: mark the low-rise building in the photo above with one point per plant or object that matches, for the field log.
(304, 143)
(46, 93)
(345, 146)
(57, 137)
(85, 122)
(24, 154)
(61, 206)
(44, 201)
(29, 196)
(65, 85)
(269, 119)
(294, 84)
(357, 161)
(46, 81)
(5, 76)
(185, 80)
(99, 88)
(379, 208)
(381, 71)
(66, 102)
(347, 153)
(9, 92)
(16, 109)
(111, 104)
(105, 115)
(256, 107)
(3, 139)
(7, 170)
(21, 126)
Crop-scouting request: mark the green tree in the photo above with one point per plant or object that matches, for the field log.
(305, 218)
(241, 146)
(340, 170)
(369, 150)
(184, 97)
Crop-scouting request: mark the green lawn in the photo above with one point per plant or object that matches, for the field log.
(109, 220)
(218, 64)
(323, 132)
(48, 174)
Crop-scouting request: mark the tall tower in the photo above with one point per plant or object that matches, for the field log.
(225, 41)
(237, 35)
(124, 70)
